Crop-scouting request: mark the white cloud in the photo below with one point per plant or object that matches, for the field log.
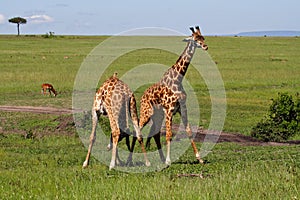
(2, 19)
(39, 19)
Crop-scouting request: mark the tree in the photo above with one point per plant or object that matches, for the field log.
(18, 21)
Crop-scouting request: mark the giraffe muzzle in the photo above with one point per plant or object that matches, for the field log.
(205, 47)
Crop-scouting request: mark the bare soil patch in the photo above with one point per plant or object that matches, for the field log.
(37, 110)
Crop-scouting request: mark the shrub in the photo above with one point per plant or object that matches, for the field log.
(282, 121)
(49, 35)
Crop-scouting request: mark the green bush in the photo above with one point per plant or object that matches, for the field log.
(49, 35)
(282, 121)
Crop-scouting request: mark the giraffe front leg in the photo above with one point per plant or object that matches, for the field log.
(144, 119)
(92, 138)
(168, 135)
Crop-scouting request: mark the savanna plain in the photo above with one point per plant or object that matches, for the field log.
(41, 154)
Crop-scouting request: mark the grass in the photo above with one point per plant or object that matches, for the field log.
(27, 62)
(254, 70)
(50, 168)
(46, 164)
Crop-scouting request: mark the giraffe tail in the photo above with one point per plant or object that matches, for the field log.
(133, 114)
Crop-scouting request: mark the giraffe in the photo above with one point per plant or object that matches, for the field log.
(115, 99)
(167, 97)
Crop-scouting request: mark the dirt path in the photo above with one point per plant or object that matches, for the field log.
(223, 137)
(38, 110)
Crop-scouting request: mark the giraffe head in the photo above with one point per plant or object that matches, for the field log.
(197, 38)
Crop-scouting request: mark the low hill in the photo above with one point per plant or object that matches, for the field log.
(270, 33)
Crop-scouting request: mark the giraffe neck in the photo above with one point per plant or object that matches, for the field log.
(175, 74)
(184, 59)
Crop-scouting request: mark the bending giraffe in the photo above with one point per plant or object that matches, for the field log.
(48, 87)
(167, 97)
(115, 99)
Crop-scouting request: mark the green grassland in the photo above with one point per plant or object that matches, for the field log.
(39, 159)
(254, 70)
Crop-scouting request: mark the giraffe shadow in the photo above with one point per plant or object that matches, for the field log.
(194, 162)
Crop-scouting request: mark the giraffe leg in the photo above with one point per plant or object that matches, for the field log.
(168, 135)
(140, 139)
(109, 146)
(92, 138)
(157, 119)
(127, 142)
(122, 135)
(184, 117)
(118, 160)
(138, 136)
(154, 130)
(137, 129)
(158, 144)
(129, 159)
(116, 133)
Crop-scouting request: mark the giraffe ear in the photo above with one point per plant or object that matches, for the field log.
(198, 29)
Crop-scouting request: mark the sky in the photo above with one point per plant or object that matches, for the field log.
(110, 17)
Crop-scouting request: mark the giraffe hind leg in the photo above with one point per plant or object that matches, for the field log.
(114, 149)
(158, 144)
(184, 117)
(92, 138)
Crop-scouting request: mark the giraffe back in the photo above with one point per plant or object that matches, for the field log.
(116, 98)
(155, 97)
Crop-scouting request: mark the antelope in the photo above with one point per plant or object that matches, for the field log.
(48, 87)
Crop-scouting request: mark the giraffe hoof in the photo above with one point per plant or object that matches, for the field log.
(85, 164)
(168, 162)
(111, 166)
(198, 158)
(201, 161)
(129, 163)
(148, 164)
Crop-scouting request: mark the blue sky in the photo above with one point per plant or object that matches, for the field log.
(98, 17)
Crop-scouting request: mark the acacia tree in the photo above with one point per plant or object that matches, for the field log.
(18, 21)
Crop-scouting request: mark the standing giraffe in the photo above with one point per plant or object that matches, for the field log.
(168, 96)
(115, 99)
